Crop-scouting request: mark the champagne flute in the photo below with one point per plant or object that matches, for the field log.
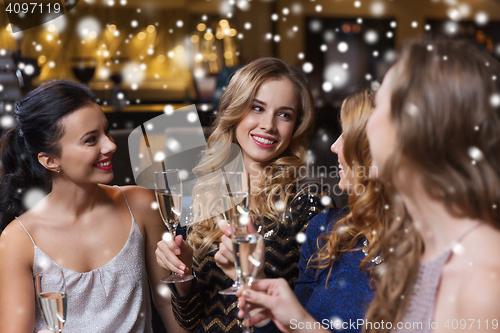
(51, 291)
(249, 249)
(168, 192)
(235, 200)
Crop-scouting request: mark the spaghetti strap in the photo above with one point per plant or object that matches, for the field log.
(18, 220)
(468, 231)
(124, 197)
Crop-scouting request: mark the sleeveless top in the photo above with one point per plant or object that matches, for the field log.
(421, 309)
(111, 298)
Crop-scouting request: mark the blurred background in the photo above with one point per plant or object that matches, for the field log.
(143, 58)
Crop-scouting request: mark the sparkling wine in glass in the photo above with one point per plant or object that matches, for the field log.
(168, 192)
(235, 188)
(249, 249)
(51, 292)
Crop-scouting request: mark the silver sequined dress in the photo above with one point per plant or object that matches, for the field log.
(112, 298)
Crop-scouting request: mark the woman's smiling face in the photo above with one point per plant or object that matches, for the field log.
(266, 131)
(86, 147)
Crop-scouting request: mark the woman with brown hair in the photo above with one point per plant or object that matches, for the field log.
(333, 289)
(268, 111)
(435, 139)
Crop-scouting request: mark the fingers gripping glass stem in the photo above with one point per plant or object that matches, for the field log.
(168, 192)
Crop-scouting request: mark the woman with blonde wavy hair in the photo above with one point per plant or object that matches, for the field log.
(267, 110)
(341, 246)
(435, 137)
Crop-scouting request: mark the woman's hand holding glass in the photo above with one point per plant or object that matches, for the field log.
(276, 301)
(224, 257)
(168, 191)
(174, 254)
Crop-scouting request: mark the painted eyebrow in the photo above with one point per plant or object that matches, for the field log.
(280, 108)
(94, 131)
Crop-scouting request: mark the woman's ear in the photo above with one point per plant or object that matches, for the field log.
(49, 162)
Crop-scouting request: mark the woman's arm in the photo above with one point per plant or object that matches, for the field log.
(150, 221)
(17, 290)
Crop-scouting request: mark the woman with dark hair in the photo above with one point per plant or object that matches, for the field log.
(102, 237)
(333, 288)
(268, 111)
(435, 139)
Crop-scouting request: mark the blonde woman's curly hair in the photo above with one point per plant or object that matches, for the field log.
(368, 217)
(234, 105)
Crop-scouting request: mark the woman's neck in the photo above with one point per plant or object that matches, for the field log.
(437, 227)
(74, 199)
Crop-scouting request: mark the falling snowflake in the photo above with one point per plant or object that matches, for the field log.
(326, 200)
(481, 18)
(163, 290)
(6, 121)
(377, 8)
(173, 145)
(159, 156)
(32, 196)
(327, 86)
(371, 36)
(315, 25)
(192, 117)
(475, 153)
(336, 323)
(343, 47)
(495, 100)
(280, 206)
(412, 109)
(301, 237)
(307, 67)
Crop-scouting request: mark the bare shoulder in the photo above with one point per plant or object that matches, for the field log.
(479, 296)
(139, 197)
(16, 246)
(141, 201)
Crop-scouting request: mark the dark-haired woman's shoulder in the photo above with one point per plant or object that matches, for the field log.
(16, 280)
(140, 200)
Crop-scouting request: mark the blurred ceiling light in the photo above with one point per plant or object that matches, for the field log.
(160, 58)
(151, 28)
(201, 27)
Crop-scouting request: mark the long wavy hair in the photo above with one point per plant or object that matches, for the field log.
(234, 105)
(368, 215)
(445, 110)
(37, 129)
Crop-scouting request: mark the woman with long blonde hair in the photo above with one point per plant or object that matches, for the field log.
(333, 289)
(267, 110)
(435, 138)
